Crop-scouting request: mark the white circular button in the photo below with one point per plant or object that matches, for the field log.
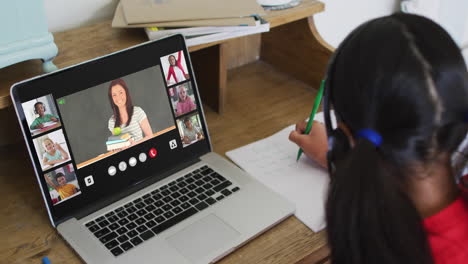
(112, 170)
(142, 157)
(122, 166)
(132, 161)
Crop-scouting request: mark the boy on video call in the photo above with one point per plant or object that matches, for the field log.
(64, 189)
(39, 109)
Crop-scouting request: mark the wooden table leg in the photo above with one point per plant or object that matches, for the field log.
(211, 73)
(297, 49)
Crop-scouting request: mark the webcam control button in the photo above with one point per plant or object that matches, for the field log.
(132, 162)
(173, 144)
(89, 180)
(153, 152)
(112, 170)
(142, 157)
(122, 166)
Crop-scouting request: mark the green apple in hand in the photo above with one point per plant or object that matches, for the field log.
(117, 131)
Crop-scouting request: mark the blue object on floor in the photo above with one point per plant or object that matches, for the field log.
(46, 260)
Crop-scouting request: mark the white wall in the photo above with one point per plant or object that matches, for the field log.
(452, 15)
(67, 14)
(342, 16)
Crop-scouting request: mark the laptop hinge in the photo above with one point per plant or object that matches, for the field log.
(130, 190)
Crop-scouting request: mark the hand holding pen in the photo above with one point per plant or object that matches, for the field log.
(313, 144)
(311, 137)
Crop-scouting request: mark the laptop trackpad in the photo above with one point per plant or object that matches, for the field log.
(203, 237)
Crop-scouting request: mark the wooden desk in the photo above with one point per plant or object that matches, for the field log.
(254, 91)
(45, 129)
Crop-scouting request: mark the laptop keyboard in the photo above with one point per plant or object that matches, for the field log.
(141, 219)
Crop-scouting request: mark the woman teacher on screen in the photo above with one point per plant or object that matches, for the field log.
(130, 119)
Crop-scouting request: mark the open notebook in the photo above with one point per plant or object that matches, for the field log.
(272, 161)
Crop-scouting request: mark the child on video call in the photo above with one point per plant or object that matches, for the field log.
(54, 153)
(63, 188)
(399, 89)
(39, 109)
(176, 72)
(185, 103)
(191, 132)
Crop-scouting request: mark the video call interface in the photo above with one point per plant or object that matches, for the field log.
(81, 129)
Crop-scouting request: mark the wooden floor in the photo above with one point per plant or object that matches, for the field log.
(260, 102)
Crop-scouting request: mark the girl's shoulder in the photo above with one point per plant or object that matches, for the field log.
(447, 232)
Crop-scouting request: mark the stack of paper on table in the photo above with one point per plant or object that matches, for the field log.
(119, 21)
(204, 20)
(200, 35)
(144, 11)
(273, 162)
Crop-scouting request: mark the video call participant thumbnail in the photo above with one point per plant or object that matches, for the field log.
(175, 69)
(190, 130)
(54, 152)
(41, 114)
(40, 109)
(50, 151)
(185, 101)
(57, 181)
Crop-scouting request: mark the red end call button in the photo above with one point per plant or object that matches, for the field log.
(153, 152)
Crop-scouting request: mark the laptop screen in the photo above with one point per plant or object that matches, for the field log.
(95, 129)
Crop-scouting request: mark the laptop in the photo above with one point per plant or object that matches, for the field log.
(122, 155)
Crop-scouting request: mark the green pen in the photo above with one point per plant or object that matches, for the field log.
(312, 114)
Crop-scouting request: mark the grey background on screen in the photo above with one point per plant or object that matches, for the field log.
(86, 114)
